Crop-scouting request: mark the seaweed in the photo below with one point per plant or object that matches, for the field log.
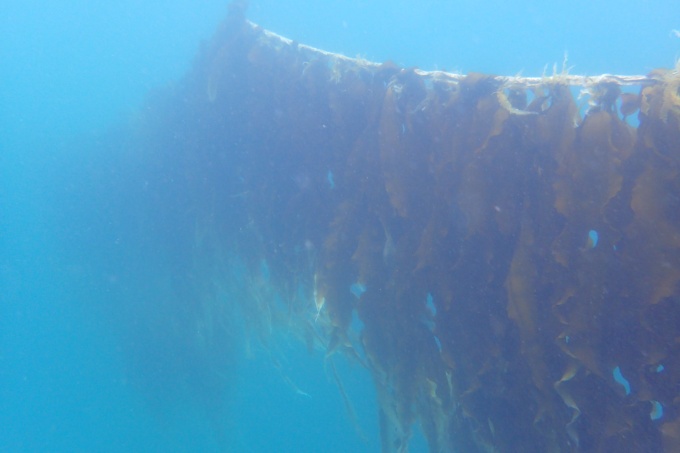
(517, 260)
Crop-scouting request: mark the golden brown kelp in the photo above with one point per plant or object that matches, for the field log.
(516, 267)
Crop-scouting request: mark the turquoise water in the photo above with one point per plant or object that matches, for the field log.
(77, 371)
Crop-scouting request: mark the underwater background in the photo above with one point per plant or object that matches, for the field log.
(79, 369)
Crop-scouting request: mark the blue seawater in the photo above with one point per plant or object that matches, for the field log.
(76, 374)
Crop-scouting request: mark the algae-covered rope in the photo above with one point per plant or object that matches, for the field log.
(562, 78)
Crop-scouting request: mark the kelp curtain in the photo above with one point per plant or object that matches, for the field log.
(504, 264)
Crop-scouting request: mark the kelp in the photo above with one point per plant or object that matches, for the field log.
(514, 264)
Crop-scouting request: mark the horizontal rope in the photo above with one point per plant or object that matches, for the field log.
(562, 78)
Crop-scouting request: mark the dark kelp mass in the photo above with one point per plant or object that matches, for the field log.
(514, 264)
